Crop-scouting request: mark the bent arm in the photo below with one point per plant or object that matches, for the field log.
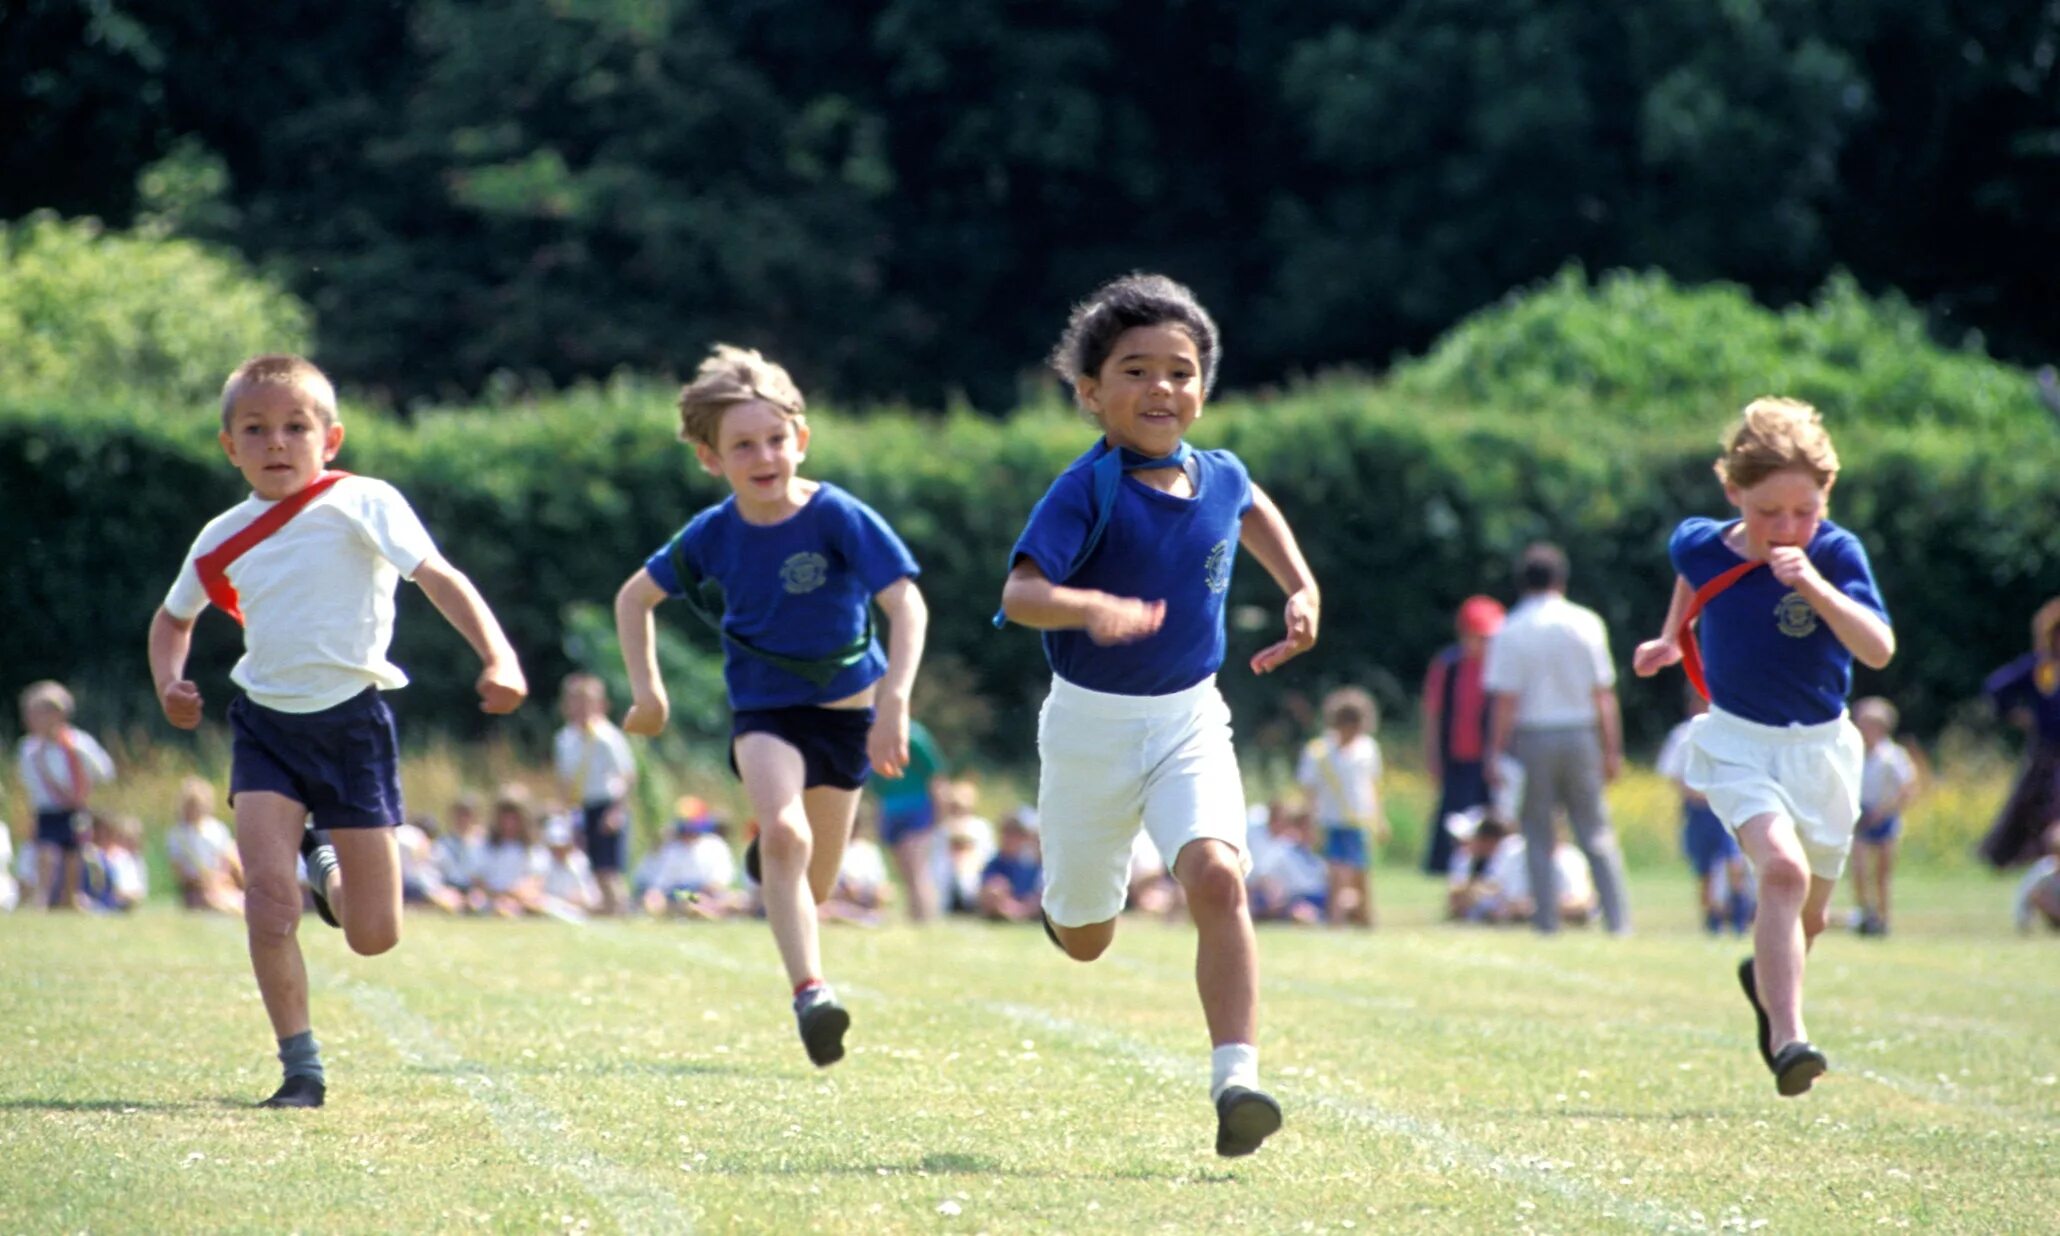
(171, 640)
(501, 685)
(908, 625)
(1029, 599)
(1861, 630)
(1266, 534)
(634, 601)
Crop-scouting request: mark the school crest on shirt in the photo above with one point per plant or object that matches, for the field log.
(1795, 617)
(1217, 569)
(804, 572)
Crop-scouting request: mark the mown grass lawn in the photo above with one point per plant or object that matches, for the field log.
(646, 1077)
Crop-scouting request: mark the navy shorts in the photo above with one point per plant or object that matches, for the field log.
(1345, 845)
(831, 741)
(1708, 844)
(342, 764)
(1883, 832)
(606, 851)
(60, 828)
(906, 819)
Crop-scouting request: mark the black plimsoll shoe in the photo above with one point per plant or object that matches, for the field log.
(822, 1031)
(312, 840)
(297, 1091)
(1797, 1067)
(751, 863)
(1759, 1011)
(1244, 1118)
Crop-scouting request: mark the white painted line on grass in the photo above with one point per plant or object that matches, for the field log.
(1452, 1149)
(534, 1129)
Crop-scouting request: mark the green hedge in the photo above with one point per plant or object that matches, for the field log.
(1404, 506)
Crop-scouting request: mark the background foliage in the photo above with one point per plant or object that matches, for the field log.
(901, 196)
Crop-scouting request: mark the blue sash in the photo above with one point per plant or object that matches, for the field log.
(1107, 475)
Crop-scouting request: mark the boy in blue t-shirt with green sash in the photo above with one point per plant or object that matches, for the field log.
(787, 571)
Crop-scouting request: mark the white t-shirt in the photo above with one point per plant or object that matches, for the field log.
(1888, 769)
(701, 861)
(317, 595)
(1673, 753)
(596, 763)
(508, 863)
(1300, 870)
(571, 879)
(1328, 771)
(47, 775)
(960, 872)
(864, 868)
(1553, 655)
(460, 858)
(198, 848)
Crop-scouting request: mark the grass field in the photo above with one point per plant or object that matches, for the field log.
(646, 1077)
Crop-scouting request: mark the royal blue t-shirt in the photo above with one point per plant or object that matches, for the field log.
(2017, 685)
(1023, 874)
(1155, 547)
(1769, 657)
(799, 588)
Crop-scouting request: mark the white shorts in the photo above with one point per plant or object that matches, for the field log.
(1107, 760)
(1809, 774)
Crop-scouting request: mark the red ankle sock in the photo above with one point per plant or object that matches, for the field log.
(805, 984)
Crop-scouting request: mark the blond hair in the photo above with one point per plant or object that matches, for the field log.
(197, 793)
(730, 376)
(1776, 435)
(280, 369)
(581, 683)
(50, 692)
(513, 799)
(1350, 706)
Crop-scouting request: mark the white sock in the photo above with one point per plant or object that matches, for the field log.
(1233, 1064)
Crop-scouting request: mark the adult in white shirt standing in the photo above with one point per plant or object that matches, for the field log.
(1554, 709)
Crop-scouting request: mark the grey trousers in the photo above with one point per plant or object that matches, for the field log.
(1563, 768)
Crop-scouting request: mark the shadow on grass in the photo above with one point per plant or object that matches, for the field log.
(953, 1165)
(626, 1068)
(113, 1105)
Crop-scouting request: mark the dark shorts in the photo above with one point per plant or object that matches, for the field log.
(1882, 833)
(1705, 840)
(1464, 787)
(342, 764)
(831, 741)
(906, 819)
(1345, 844)
(60, 828)
(606, 851)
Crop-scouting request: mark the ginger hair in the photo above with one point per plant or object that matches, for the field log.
(1776, 435)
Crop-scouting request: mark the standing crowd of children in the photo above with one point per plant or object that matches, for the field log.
(1123, 567)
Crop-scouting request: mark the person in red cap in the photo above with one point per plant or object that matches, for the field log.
(1455, 723)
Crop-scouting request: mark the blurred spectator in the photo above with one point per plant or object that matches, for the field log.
(862, 890)
(2026, 693)
(570, 890)
(202, 853)
(1470, 888)
(1888, 781)
(1012, 882)
(596, 770)
(60, 765)
(1152, 888)
(511, 876)
(968, 844)
(908, 820)
(2038, 895)
(1505, 892)
(422, 877)
(694, 873)
(1554, 707)
(1340, 771)
(112, 874)
(1289, 881)
(10, 888)
(461, 850)
(1455, 723)
(1723, 886)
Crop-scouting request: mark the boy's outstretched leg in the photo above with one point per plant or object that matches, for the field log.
(1227, 977)
(268, 833)
(773, 774)
(1791, 901)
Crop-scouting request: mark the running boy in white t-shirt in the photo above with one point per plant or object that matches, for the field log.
(1340, 771)
(308, 564)
(1124, 566)
(1788, 603)
(596, 770)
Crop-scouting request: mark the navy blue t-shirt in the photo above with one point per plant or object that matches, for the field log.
(1767, 655)
(1156, 547)
(799, 588)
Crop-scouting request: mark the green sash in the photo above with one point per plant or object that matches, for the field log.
(704, 597)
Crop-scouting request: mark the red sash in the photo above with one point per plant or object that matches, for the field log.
(213, 565)
(1691, 652)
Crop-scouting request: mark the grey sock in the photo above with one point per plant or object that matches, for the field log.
(301, 1055)
(321, 861)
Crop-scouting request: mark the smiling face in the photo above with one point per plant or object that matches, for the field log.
(1783, 508)
(279, 436)
(757, 448)
(1148, 391)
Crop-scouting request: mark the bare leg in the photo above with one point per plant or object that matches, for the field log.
(1884, 868)
(50, 889)
(1088, 941)
(830, 812)
(268, 831)
(912, 860)
(1226, 951)
(1862, 891)
(614, 896)
(773, 773)
(365, 890)
(1792, 906)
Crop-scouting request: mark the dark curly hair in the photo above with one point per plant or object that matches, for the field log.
(1135, 300)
